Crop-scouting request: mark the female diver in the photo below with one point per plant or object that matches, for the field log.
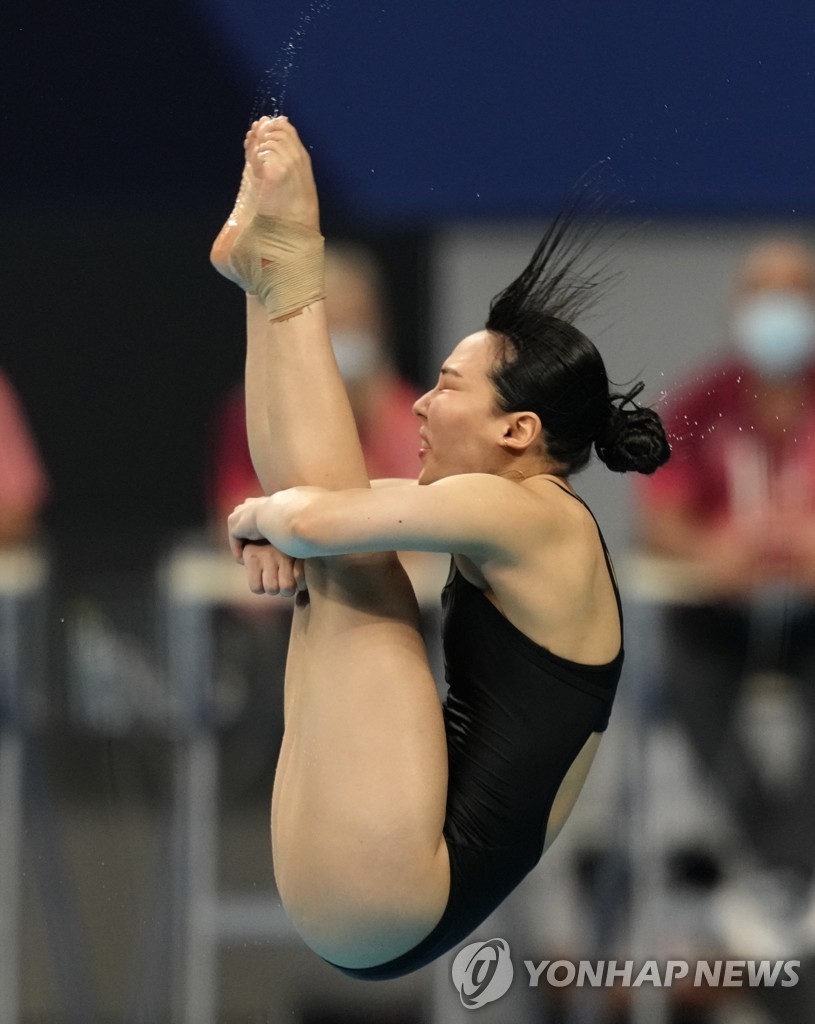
(398, 825)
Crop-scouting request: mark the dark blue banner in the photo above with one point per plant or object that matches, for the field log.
(427, 109)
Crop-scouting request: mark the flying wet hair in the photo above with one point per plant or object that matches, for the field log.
(546, 365)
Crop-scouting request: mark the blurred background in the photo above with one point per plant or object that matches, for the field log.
(140, 689)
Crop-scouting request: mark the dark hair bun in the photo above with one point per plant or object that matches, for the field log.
(633, 439)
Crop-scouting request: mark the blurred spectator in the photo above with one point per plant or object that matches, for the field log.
(381, 401)
(737, 505)
(23, 484)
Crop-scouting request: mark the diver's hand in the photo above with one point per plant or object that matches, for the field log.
(272, 572)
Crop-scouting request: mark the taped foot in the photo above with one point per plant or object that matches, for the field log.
(281, 262)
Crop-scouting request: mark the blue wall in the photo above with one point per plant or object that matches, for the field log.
(420, 109)
(425, 108)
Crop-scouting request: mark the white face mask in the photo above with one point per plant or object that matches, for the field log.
(775, 332)
(356, 352)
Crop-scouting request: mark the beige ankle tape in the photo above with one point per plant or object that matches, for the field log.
(282, 263)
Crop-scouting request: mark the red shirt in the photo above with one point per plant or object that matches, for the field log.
(722, 463)
(23, 484)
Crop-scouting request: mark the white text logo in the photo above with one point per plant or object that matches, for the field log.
(482, 972)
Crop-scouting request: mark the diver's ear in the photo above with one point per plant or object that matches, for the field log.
(521, 431)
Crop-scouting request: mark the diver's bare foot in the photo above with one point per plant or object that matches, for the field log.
(281, 167)
(242, 213)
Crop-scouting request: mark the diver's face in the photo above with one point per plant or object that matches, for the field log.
(461, 428)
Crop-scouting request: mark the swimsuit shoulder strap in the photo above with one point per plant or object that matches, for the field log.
(609, 564)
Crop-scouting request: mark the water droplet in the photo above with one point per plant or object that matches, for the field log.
(272, 90)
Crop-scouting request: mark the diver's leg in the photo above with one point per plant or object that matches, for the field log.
(299, 420)
(360, 790)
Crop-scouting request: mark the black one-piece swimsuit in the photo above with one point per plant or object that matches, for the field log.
(516, 717)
